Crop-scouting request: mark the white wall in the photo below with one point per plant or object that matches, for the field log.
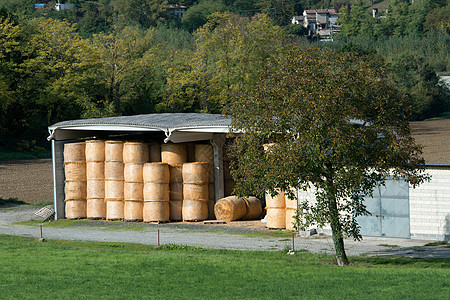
(430, 207)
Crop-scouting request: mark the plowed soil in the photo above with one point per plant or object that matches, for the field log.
(29, 181)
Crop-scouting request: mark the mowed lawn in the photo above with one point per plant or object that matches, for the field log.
(70, 270)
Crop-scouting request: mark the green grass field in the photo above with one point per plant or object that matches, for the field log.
(72, 270)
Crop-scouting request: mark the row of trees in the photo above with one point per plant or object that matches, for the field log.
(49, 72)
(404, 17)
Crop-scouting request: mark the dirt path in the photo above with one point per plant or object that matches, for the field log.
(29, 181)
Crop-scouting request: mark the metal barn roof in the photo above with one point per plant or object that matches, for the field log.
(195, 126)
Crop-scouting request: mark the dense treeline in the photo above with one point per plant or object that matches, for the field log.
(112, 57)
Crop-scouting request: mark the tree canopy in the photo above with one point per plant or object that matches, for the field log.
(333, 122)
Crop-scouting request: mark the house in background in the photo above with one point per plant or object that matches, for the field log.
(380, 11)
(59, 6)
(177, 10)
(321, 21)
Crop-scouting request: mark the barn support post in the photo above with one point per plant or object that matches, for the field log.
(58, 178)
(217, 142)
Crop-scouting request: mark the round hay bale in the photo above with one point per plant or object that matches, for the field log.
(95, 170)
(95, 150)
(114, 189)
(75, 209)
(230, 208)
(290, 218)
(135, 152)
(74, 189)
(197, 172)
(290, 203)
(276, 217)
(195, 191)
(96, 208)
(276, 201)
(154, 152)
(156, 173)
(114, 170)
(74, 152)
(95, 189)
(195, 210)
(75, 171)
(133, 210)
(156, 191)
(133, 172)
(114, 209)
(176, 208)
(176, 191)
(133, 191)
(114, 151)
(176, 173)
(205, 153)
(254, 208)
(173, 153)
(156, 211)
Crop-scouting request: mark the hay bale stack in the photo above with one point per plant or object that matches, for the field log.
(75, 181)
(195, 191)
(176, 192)
(291, 209)
(205, 153)
(135, 155)
(114, 180)
(276, 211)
(133, 191)
(156, 192)
(95, 175)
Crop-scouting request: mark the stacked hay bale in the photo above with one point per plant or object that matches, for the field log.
(156, 192)
(75, 182)
(175, 155)
(205, 153)
(95, 175)
(176, 192)
(291, 209)
(276, 211)
(135, 154)
(195, 191)
(233, 208)
(114, 180)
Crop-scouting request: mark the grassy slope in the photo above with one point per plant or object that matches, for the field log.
(65, 269)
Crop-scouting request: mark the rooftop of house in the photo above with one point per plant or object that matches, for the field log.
(380, 6)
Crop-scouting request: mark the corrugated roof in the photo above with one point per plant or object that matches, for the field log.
(162, 121)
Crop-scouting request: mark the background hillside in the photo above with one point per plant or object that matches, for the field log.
(123, 57)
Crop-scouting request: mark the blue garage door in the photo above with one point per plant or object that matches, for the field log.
(389, 206)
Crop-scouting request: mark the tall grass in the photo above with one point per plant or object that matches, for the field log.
(67, 270)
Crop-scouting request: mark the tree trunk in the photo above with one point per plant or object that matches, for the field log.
(338, 241)
(336, 227)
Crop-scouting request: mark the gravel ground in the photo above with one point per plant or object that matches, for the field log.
(248, 235)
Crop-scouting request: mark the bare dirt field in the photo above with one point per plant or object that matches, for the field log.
(29, 181)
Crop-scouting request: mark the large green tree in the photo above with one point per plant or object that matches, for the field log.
(229, 51)
(336, 124)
